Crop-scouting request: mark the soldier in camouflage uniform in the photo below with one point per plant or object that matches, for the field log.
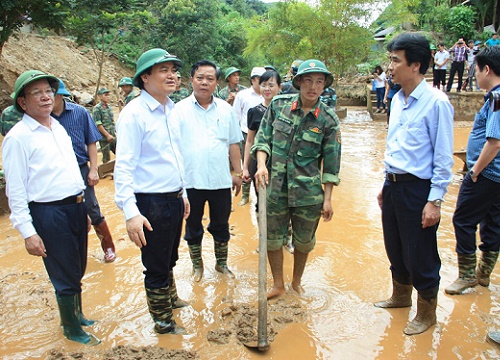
(104, 120)
(287, 87)
(232, 76)
(180, 92)
(10, 117)
(127, 88)
(299, 140)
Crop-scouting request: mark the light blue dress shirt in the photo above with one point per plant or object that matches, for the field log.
(420, 137)
(148, 155)
(206, 137)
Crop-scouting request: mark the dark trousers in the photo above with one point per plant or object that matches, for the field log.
(63, 229)
(219, 205)
(161, 252)
(440, 77)
(91, 203)
(380, 92)
(456, 67)
(411, 249)
(477, 203)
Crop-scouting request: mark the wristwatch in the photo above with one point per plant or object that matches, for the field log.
(240, 174)
(472, 174)
(436, 202)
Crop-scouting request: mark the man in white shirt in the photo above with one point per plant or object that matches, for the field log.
(210, 132)
(149, 181)
(245, 100)
(45, 191)
(440, 60)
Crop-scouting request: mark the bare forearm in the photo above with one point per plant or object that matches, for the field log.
(235, 157)
(92, 150)
(489, 152)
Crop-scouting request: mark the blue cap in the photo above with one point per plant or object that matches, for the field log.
(477, 42)
(62, 89)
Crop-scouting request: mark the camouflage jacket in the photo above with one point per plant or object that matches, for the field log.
(303, 150)
(10, 117)
(104, 116)
(178, 95)
(288, 88)
(131, 96)
(224, 93)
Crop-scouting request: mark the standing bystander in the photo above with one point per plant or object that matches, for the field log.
(104, 120)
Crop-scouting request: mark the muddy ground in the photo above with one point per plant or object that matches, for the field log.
(334, 318)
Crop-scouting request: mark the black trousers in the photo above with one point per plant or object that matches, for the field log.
(478, 203)
(456, 67)
(91, 203)
(440, 77)
(219, 205)
(161, 252)
(63, 229)
(411, 249)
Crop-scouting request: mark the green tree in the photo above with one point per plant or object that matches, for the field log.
(42, 13)
(460, 21)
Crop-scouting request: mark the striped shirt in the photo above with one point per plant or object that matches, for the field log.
(486, 125)
(459, 54)
(80, 128)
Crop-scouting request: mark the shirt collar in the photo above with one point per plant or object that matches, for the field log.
(154, 104)
(417, 92)
(196, 103)
(315, 110)
(33, 124)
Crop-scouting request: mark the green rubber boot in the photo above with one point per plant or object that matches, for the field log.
(83, 320)
(177, 303)
(245, 193)
(160, 308)
(72, 329)
(486, 266)
(466, 274)
(196, 259)
(221, 249)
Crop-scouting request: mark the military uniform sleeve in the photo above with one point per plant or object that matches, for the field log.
(97, 116)
(332, 152)
(263, 139)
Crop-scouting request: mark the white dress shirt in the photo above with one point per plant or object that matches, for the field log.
(244, 101)
(40, 165)
(148, 156)
(206, 137)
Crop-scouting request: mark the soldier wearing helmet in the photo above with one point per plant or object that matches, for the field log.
(298, 152)
(287, 87)
(127, 88)
(232, 76)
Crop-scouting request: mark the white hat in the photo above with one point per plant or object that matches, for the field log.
(257, 71)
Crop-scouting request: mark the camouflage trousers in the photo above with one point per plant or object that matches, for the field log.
(304, 220)
(105, 148)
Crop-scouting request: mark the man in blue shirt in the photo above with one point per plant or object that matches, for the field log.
(478, 201)
(418, 161)
(84, 135)
(211, 136)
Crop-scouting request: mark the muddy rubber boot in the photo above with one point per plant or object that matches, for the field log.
(466, 274)
(195, 254)
(220, 249)
(177, 303)
(401, 296)
(83, 320)
(245, 193)
(107, 245)
(485, 267)
(425, 318)
(160, 308)
(72, 329)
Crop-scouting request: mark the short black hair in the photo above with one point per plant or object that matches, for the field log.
(489, 56)
(140, 83)
(200, 63)
(416, 47)
(270, 74)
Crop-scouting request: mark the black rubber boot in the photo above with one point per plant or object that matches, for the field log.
(72, 329)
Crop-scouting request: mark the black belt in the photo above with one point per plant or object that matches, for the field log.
(168, 195)
(70, 200)
(459, 62)
(400, 177)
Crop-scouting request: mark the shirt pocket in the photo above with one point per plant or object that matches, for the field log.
(222, 131)
(282, 131)
(311, 144)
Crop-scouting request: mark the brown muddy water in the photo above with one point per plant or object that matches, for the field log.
(347, 271)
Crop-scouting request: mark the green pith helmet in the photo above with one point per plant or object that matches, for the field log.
(151, 58)
(432, 47)
(229, 71)
(28, 77)
(125, 81)
(312, 66)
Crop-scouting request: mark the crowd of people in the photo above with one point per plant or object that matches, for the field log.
(174, 157)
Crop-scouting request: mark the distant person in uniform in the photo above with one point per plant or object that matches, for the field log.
(45, 192)
(10, 117)
(127, 88)
(298, 153)
(104, 120)
(232, 76)
(180, 92)
(287, 87)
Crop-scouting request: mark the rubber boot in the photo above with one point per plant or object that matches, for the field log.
(220, 249)
(195, 254)
(245, 193)
(160, 308)
(401, 296)
(83, 320)
(177, 303)
(107, 245)
(72, 329)
(466, 274)
(485, 267)
(425, 318)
